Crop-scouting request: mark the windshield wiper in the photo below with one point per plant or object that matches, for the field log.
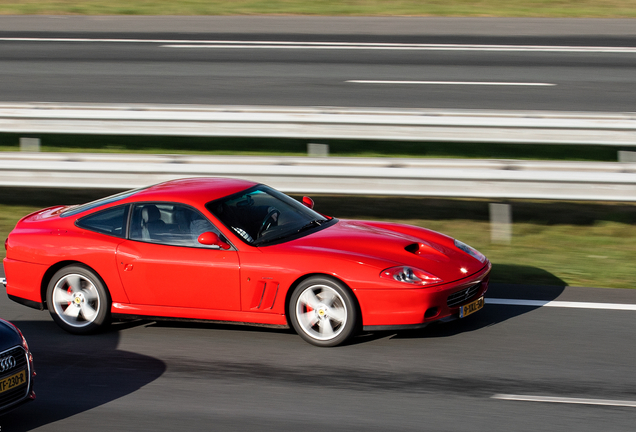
(313, 223)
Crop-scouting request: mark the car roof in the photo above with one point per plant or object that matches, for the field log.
(193, 190)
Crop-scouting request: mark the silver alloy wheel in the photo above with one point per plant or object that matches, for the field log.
(322, 312)
(76, 300)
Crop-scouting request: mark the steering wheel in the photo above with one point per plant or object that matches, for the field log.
(268, 221)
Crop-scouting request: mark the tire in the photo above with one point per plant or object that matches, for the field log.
(323, 312)
(78, 301)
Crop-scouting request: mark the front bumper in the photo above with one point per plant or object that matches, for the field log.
(13, 398)
(402, 309)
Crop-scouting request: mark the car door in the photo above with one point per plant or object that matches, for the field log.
(162, 264)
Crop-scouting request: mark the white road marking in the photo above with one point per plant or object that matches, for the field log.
(400, 47)
(189, 43)
(579, 401)
(561, 304)
(473, 83)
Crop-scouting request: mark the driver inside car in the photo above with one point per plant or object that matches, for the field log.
(248, 220)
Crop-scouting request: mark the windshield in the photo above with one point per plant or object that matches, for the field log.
(262, 215)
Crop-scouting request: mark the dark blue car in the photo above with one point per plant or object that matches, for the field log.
(16, 368)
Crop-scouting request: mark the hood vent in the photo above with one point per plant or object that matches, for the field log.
(413, 248)
(434, 252)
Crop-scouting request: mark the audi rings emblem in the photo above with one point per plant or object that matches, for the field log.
(7, 363)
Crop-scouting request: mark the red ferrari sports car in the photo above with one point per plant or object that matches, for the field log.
(228, 250)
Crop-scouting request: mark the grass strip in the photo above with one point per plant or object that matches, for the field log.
(554, 243)
(298, 147)
(479, 8)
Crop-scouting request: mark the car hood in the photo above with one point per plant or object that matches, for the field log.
(384, 245)
(9, 337)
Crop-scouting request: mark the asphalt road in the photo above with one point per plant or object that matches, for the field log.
(166, 71)
(189, 377)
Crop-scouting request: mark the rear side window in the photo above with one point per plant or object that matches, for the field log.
(111, 221)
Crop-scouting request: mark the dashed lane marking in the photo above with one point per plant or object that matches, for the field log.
(565, 400)
(561, 304)
(471, 83)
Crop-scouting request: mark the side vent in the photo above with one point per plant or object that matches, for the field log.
(270, 296)
(264, 296)
(259, 293)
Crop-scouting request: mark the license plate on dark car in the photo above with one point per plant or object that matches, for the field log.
(13, 381)
(471, 307)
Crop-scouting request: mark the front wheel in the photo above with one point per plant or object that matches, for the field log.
(77, 300)
(323, 312)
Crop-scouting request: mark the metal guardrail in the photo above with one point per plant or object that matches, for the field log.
(494, 179)
(533, 127)
(378, 176)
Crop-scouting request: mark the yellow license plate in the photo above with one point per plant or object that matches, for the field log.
(13, 381)
(471, 307)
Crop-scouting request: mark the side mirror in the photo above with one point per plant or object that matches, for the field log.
(212, 239)
(308, 202)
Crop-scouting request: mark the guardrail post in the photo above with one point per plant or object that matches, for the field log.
(30, 144)
(626, 156)
(317, 150)
(500, 223)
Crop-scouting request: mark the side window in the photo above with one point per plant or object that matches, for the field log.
(169, 224)
(111, 221)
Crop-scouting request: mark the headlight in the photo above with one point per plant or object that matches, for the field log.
(410, 275)
(470, 251)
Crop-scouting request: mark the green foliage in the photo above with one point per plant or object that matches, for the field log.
(554, 243)
(510, 8)
(296, 147)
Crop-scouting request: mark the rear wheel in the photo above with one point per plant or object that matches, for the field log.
(77, 300)
(323, 312)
